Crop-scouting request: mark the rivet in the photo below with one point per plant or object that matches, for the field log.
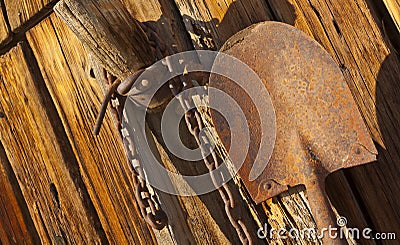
(145, 83)
(267, 186)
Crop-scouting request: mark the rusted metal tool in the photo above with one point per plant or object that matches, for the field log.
(318, 126)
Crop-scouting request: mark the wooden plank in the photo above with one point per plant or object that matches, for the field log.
(21, 13)
(5, 34)
(217, 22)
(195, 219)
(108, 31)
(383, 13)
(393, 6)
(288, 210)
(346, 203)
(206, 222)
(324, 22)
(40, 155)
(65, 67)
(16, 225)
(162, 15)
(349, 31)
(211, 23)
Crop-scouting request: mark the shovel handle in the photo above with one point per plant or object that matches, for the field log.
(327, 223)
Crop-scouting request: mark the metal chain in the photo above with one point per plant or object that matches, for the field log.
(157, 217)
(195, 125)
(154, 216)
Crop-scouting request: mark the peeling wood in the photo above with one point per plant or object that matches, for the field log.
(108, 31)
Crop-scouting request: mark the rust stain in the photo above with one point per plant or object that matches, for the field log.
(319, 127)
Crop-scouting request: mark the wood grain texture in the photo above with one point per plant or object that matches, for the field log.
(5, 33)
(162, 15)
(393, 6)
(289, 210)
(350, 32)
(284, 211)
(21, 13)
(64, 64)
(211, 23)
(108, 31)
(191, 219)
(16, 225)
(40, 156)
(218, 21)
(198, 219)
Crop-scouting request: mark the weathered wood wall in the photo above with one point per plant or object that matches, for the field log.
(61, 184)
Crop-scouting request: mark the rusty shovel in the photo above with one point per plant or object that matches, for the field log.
(318, 126)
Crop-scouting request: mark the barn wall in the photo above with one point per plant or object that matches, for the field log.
(59, 183)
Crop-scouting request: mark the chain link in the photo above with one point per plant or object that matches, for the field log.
(157, 217)
(195, 125)
(154, 216)
(212, 161)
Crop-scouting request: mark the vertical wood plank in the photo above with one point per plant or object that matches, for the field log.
(211, 23)
(40, 155)
(5, 34)
(349, 31)
(393, 6)
(64, 65)
(196, 219)
(162, 15)
(21, 12)
(106, 29)
(16, 225)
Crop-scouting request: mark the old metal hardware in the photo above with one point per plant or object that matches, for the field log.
(195, 125)
(319, 127)
(149, 210)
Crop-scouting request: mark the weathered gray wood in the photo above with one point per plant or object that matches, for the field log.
(109, 32)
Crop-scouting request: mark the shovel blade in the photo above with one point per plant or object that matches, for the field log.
(318, 126)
